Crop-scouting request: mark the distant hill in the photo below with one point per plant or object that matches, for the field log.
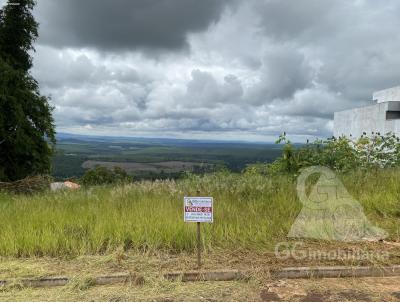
(74, 152)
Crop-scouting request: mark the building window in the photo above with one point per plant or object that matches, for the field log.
(392, 115)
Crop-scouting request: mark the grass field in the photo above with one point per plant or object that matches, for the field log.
(251, 212)
(156, 167)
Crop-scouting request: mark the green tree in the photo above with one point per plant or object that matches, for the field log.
(103, 176)
(27, 135)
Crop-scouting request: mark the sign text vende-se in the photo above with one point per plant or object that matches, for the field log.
(198, 209)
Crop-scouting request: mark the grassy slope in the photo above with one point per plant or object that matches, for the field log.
(251, 212)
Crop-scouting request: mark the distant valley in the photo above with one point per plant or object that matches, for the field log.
(151, 158)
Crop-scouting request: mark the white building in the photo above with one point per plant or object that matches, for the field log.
(383, 116)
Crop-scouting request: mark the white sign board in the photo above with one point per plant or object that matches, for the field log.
(198, 209)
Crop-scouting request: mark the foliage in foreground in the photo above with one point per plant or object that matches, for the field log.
(340, 154)
(251, 211)
(27, 132)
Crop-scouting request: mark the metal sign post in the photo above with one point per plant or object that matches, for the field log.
(198, 209)
(198, 245)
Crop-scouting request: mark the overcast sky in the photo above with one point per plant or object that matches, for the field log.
(221, 69)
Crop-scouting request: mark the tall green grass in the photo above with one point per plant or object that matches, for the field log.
(250, 211)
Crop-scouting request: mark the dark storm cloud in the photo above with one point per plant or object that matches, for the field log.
(125, 24)
(264, 66)
(291, 19)
(351, 45)
(285, 70)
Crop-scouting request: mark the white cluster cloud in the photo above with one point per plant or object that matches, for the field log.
(232, 70)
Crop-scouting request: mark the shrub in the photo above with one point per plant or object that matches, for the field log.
(103, 176)
(341, 154)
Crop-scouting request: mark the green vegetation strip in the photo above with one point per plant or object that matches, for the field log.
(251, 211)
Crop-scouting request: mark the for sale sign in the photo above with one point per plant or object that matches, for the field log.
(198, 209)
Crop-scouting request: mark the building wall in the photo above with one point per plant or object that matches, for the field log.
(381, 117)
(358, 120)
(393, 126)
(387, 95)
